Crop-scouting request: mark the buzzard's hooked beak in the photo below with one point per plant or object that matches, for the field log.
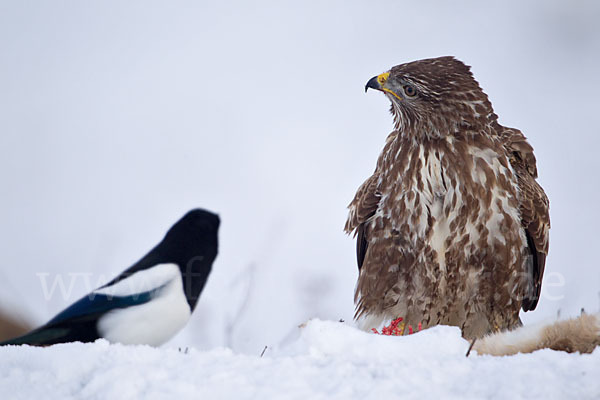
(377, 83)
(373, 84)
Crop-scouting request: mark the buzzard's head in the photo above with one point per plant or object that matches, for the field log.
(435, 97)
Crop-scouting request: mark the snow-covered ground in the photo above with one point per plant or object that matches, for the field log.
(323, 360)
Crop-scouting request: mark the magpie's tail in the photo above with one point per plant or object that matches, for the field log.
(581, 334)
(43, 336)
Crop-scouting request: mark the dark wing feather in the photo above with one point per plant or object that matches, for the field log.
(98, 304)
(361, 245)
(535, 208)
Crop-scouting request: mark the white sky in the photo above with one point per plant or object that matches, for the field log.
(117, 117)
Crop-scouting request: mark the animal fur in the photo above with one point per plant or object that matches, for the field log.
(11, 326)
(581, 334)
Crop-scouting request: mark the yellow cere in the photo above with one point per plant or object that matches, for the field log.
(381, 78)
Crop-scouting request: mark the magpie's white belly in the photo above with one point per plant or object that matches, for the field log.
(152, 323)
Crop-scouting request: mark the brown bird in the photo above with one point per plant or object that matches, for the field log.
(452, 227)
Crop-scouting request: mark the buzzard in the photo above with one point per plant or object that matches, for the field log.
(452, 227)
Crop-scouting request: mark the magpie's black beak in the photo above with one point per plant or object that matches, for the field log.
(373, 84)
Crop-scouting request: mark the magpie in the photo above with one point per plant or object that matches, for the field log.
(150, 301)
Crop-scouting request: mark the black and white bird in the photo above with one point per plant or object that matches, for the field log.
(150, 301)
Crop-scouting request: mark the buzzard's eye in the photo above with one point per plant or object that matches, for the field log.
(409, 90)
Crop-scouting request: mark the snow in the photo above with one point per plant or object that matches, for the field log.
(324, 359)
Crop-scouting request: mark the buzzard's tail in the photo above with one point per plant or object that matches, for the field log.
(581, 334)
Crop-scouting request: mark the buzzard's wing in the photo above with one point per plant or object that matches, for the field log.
(365, 204)
(362, 208)
(534, 208)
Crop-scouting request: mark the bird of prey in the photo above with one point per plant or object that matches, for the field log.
(150, 301)
(452, 227)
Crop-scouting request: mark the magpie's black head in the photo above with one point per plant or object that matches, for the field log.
(193, 239)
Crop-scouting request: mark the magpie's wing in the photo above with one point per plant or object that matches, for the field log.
(96, 304)
(78, 322)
